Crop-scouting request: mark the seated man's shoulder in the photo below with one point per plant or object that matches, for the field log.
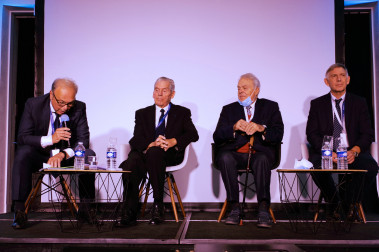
(267, 101)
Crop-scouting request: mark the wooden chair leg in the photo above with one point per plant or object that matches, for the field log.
(172, 198)
(272, 215)
(33, 193)
(178, 195)
(145, 200)
(223, 210)
(142, 187)
(361, 212)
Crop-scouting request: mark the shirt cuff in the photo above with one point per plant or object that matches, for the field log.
(46, 141)
(70, 152)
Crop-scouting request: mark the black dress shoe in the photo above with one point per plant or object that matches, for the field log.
(128, 219)
(20, 219)
(157, 214)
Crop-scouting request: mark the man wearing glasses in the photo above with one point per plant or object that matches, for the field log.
(43, 139)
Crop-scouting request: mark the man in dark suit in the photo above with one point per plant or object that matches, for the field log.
(345, 115)
(249, 118)
(42, 140)
(161, 134)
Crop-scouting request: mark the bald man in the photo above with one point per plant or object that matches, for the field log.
(42, 139)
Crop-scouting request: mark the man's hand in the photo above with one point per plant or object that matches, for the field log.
(61, 134)
(334, 157)
(157, 143)
(254, 127)
(55, 161)
(240, 125)
(163, 143)
(350, 156)
(168, 143)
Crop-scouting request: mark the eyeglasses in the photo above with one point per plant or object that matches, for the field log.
(62, 103)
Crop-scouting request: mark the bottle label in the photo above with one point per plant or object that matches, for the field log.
(341, 154)
(79, 153)
(111, 154)
(326, 153)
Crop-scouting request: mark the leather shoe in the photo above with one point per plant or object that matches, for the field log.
(234, 216)
(157, 214)
(264, 220)
(128, 219)
(20, 219)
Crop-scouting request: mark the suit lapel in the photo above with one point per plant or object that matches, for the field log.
(171, 117)
(348, 112)
(46, 115)
(150, 119)
(257, 112)
(328, 113)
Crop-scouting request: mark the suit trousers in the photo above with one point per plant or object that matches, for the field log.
(228, 162)
(154, 162)
(369, 196)
(29, 159)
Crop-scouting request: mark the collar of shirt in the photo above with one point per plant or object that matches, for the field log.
(158, 114)
(252, 112)
(334, 103)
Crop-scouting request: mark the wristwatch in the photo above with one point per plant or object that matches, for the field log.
(356, 154)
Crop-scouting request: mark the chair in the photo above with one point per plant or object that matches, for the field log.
(173, 189)
(374, 153)
(248, 186)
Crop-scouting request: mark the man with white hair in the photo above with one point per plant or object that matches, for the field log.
(239, 123)
(161, 133)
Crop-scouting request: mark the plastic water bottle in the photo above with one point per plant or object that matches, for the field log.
(80, 151)
(342, 156)
(326, 152)
(112, 154)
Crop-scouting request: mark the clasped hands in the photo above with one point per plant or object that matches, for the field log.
(248, 127)
(163, 143)
(350, 157)
(60, 134)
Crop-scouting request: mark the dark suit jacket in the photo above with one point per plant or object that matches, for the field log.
(357, 119)
(179, 126)
(35, 122)
(266, 113)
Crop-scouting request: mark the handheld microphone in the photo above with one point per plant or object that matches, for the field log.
(64, 119)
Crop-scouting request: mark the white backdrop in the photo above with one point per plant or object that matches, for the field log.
(116, 49)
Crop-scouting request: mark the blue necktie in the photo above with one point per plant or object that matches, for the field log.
(161, 128)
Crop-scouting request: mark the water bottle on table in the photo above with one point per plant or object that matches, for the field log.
(342, 155)
(80, 151)
(112, 154)
(326, 152)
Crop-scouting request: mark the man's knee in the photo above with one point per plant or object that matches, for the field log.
(261, 161)
(224, 158)
(155, 153)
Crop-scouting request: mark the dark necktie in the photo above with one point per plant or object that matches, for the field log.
(161, 128)
(337, 127)
(56, 126)
(57, 122)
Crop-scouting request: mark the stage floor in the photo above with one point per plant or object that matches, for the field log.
(199, 231)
